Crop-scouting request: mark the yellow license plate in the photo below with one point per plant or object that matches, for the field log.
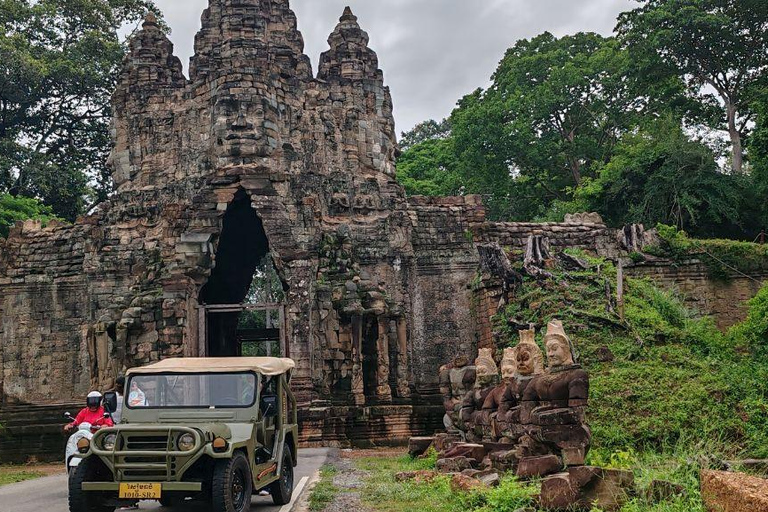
(140, 491)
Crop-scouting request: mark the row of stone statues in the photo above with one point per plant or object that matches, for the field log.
(528, 411)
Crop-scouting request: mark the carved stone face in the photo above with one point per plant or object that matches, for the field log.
(558, 352)
(525, 362)
(238, 128)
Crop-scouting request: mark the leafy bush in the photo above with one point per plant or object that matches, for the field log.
(753, 332)
(511, 495)
(13, 209)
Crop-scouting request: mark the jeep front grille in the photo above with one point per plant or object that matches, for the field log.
(146, 455)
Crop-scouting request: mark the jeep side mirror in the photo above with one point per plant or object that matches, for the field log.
(269, 405)
(110, 401)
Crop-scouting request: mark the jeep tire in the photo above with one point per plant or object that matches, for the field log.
(282, 489)
(80, 500)
(232, 485)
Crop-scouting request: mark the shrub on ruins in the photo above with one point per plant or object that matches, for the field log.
(753, 332)
(59, 61)
(13, 209)
(723, 257)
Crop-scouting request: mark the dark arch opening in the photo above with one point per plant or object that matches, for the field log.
(242, 245)
(242, 261)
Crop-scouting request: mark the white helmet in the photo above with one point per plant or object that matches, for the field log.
(94, 399)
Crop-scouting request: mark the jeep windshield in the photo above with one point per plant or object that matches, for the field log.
(191, 390)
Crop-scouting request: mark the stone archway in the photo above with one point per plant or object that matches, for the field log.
(241, 303)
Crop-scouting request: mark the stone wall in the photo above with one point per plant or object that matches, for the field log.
(725, 299)
(446, 263)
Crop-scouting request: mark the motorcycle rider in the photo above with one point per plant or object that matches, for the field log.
(93, 413)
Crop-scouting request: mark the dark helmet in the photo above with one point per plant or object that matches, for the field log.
(94, 399)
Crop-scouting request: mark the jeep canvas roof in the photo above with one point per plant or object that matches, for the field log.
(268, 366)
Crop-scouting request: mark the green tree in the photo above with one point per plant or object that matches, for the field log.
(555, 111)
(660, 175)
(424, 131)
(59, 61)
(13, 209)
(716, 46)
(756, 206)
(429, 168)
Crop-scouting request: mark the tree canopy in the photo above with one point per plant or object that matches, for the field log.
(627, 126)
(59, 61)
(719, 47)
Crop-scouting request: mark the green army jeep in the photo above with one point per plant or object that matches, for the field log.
(215, 429)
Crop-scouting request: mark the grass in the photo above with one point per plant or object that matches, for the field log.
(14, 474)
(325, 491)
(381, 493)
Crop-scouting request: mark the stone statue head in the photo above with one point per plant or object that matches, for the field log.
(529, 358)
(559, 347)
(508, 364)
(487, 371)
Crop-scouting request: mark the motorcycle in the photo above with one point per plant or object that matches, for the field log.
(85, 431)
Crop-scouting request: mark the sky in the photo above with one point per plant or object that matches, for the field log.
(432, 52)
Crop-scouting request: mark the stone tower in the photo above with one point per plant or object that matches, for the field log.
(251, 157)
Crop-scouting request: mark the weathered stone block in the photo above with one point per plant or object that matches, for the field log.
(733, 492)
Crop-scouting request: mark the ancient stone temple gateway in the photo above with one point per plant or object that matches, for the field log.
(254, 159)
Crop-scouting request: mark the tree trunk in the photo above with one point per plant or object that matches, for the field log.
(737, 163)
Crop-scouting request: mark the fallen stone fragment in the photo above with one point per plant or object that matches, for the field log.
(534, 467)
(444, 442)
(586, 487)
(418, 446)
(491, 479)
(455, 464)
(468, 450)
(733, 492)
(462, 483)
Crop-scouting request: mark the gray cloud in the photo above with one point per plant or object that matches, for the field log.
(432, 51)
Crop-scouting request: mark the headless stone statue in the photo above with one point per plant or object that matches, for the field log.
(456, 380)
(553, 404)
(529, 362)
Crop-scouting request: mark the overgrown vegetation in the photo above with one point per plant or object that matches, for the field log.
(382, 493)
(13, 209)
(660, 377)
(670, 393)
(12, 475)
(722, 257)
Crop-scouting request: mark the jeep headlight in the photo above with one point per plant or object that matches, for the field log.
(186, 442)
(83, 445)
(109, 442)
